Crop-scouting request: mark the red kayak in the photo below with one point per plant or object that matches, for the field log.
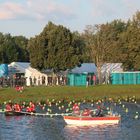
(87, 120)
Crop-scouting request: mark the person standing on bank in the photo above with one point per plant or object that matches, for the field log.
(87, 81)
(94, 79)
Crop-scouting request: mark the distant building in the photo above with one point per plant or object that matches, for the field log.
(79, 76)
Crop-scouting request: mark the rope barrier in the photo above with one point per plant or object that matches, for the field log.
(40, 114)
(46, 114)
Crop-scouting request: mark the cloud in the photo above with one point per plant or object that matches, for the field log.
(114, 9)
(10, 10)
(131, 6)
(36, 10)
(45, 9)
(106, 9)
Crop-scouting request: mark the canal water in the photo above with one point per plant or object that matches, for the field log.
(44, 128)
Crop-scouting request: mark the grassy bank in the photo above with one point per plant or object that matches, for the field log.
(70, 93)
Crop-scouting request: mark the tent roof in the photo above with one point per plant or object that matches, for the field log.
(18, 67)
(112, 67)
(20, 64)
(85, 68)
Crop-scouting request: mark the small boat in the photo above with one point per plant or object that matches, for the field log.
(14, 113)
(88, 120)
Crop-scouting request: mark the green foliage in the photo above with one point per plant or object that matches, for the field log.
(36, 47)
(21, 43)
(12, 48)
(55, 48)
(115, 42)
(70, 93)
(8, 49)
(130, 44)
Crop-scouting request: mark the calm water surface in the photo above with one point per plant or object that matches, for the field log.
(43, 128)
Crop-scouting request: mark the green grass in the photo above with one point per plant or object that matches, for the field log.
(70, 93)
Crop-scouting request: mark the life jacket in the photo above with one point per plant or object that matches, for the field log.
(86, 112)
(32, 106)
(17, 108)
(76, 109)
(28, 109)
(8, 107)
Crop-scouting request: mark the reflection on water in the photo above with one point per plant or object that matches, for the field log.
(30, 128)
(101, 132)
(43, 128)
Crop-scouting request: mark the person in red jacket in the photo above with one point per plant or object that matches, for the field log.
(86, 112)
(94, 79)
(17, 107)
(28, 109)
(8, 107)
(32, 106)
(76, 109)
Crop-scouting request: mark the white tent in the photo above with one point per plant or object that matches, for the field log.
(18, 67)
(111, 67)
(33, 73)
(108, 68)
(27, 70)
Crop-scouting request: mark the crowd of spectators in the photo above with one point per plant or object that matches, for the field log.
(33, 81)
(12, 81)
(47, 80)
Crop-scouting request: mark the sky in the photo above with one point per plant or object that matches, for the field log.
(29, 17)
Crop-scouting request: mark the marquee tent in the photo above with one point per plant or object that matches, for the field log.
(25, 69)
(18, 67)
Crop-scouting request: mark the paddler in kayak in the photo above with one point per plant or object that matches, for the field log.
(31, 107)
(17, 107)
(23, 107)
(99, 112)
(8, 106)
(86, 112)
(76, 109)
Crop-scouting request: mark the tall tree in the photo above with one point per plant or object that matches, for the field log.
(13, 48)
(102, 43)
(130, 44)
(21, 43)
(55, 48)
(37, 52)
(96, 46)
(8, 49)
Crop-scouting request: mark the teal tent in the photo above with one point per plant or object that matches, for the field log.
(3, 70)
(78, 75)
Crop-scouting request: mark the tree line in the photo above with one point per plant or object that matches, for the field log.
(57, 48)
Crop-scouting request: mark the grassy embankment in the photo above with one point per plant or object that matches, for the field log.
(70, 93)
